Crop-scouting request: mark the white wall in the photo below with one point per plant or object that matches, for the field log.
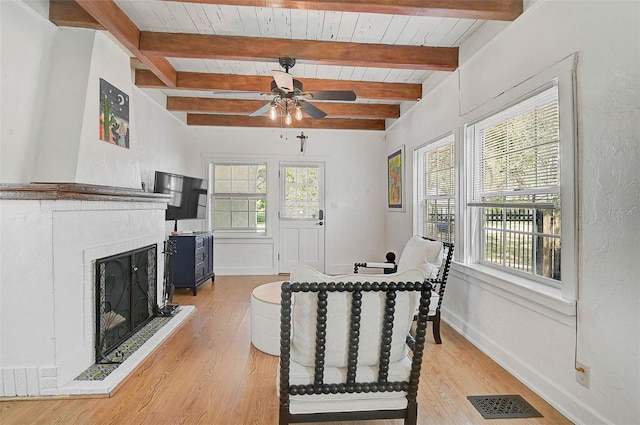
(101, 162)
(24, 58)
(161, 140)
(354, 189)
(50, 106)
(69, 146)
(534, 335)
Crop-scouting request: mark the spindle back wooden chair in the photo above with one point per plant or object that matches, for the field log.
(420, 252)
(354, 367)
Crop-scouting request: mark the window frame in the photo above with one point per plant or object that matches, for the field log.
(475, 172)
(419, 196)
(564, 71)
(242, 196)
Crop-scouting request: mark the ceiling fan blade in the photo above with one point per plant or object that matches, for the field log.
(346, 95)
(261, 111)
(312, 110)
(283, 80)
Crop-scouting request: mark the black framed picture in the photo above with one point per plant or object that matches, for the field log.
(114, 115)
(395, 189)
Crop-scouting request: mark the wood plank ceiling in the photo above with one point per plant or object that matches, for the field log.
(213, 59)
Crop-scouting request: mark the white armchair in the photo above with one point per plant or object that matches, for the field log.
(434, 259)
(343, 346)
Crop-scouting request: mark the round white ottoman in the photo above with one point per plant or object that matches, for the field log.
(265, 317)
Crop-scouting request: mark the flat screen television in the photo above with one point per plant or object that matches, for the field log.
(188, 195)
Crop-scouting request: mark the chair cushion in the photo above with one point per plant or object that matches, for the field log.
(433, 303)
(422, 254)
(316, 403)
(338, 318)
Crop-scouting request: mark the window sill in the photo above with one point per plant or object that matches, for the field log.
(536, 296)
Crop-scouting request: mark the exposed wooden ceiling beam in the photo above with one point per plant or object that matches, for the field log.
(114, 20)
(150, 48)
(503, 10)
(207, 46)
(261, 84)
(110, 17)
(66, 13)
(247, 121)
(240, 106)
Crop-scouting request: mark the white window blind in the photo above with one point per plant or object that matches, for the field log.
(239, 196)
(435, 181)
(515, 154)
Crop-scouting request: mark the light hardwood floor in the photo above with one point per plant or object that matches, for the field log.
(208, 373)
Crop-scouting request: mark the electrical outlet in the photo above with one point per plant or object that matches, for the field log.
(582, 374)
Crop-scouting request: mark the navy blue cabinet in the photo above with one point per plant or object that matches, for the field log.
(192, 264)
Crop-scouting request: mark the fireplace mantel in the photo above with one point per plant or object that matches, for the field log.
(77, 192)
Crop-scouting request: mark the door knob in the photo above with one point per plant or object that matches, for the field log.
(319, 224)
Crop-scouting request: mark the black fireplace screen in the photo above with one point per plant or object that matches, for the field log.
(125, 298)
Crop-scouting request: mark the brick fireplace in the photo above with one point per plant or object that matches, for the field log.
(50, 238)
(90, 206)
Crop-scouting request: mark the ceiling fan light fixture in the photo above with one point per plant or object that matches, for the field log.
(289, 93)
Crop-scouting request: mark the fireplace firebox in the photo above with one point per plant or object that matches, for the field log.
(125, 298)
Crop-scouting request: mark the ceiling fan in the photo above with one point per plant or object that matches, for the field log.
(289, 96)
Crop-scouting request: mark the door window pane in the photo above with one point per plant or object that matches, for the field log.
(301, 199)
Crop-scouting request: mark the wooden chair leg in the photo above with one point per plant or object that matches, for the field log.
(412, 413)
(436, 328)
(283, 416)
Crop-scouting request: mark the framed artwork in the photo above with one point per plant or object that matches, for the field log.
(114, 115)
(395, 190)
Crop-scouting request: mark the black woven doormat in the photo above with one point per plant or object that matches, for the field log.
(503, 406)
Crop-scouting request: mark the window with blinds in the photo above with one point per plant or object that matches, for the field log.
(435, 182)
(515, 185)
(239, 197)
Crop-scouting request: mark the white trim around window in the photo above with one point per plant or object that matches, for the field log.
(435, 189)
(238, 195)
(514, 179)
(563, 73)
(209, 159)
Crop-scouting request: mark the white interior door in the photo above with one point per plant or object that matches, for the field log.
(302, 220)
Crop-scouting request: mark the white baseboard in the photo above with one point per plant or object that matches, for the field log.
(245, 271)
